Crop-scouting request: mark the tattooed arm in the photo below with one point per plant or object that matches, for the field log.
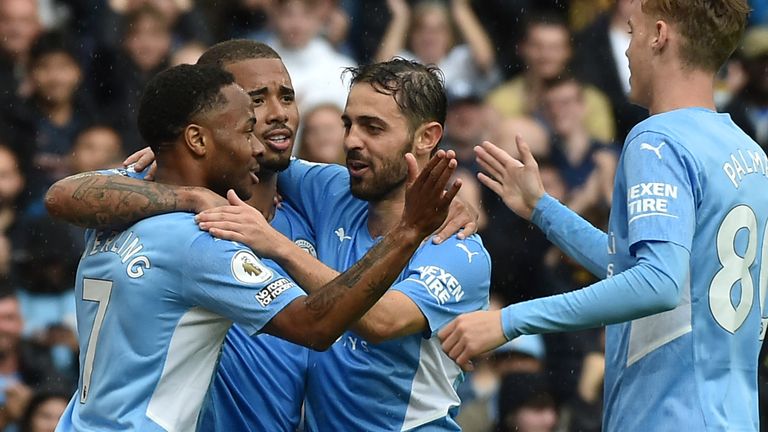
(95, 200)
(319, 319)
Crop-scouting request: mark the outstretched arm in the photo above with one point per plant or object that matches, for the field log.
(97, 200)
(397, 30)
(474, 34)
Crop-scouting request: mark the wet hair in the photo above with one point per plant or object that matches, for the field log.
(416, 88)
(235, 50)
(175, 96)
(711, 29)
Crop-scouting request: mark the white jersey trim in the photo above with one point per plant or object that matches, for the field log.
(192, 356)
(649, 333)
(432, 391)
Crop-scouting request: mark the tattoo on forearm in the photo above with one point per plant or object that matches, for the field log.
(115, 201)
(373, 267)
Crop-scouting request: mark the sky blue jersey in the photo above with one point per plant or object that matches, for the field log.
(259, 384)
(691, 177)
(401, 384)
(154, 303)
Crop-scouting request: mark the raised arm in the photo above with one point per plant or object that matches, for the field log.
(474, 34)
(101, 200)
(319, 319)
(397, 30)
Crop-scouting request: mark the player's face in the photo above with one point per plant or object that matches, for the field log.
(269, 86)
(639, 55)
(232, 157)
(377, 136)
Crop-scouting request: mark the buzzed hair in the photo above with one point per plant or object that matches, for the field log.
(235, 50)
(175, 96)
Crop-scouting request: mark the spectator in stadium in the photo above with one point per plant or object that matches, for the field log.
(425, 33)
(599, 60)
(43, 412)
(11, 187)
(322, 135)
(546, 51)
(311, 60)
(25, 366)
(97, 147)
(526, 404)
(749, 108)
(586, 164)
(61, 110)
(534, 131)
(120, 75)
(467, 123)
(19, 27)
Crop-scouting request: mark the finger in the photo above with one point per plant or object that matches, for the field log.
(447, 173)
(227, 235)
(433, 164)
(500, 155)
(451, 193)
(449, 228)
(413, 168)
(147, 158)
(464, 361)
(468, 230)
(221, 225)
(489, 164)
(216, 212)
(525, 151)
(134, 158)
(457, 349)
(490, 183)
(151, 172)
(234, 199)
(446, 331)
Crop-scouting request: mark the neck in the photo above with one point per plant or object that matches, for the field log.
(177, 168)
(58, 113)
(263, 198)
(385, 213)
(678, 88)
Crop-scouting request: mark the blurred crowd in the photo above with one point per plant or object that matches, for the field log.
(554, 72)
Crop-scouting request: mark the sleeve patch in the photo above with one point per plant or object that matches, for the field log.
(270, 292)
(440, 284)
(247, 269)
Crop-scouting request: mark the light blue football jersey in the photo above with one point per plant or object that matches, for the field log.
(693, 178)
(402, 384)
(154, 303)
(259, 384)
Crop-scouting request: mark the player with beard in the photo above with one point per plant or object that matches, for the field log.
(388, 372)
(155, 300)
(241, 397)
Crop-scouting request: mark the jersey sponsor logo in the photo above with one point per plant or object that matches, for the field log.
(342, 236)
(656, 150)
(466, 250)
(306, 246)
(650, 199)
(440, 284)
(247, 269)
(270, 292)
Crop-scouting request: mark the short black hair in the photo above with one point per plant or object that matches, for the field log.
(545, 18)
(53, 42)
(417, 89)
(173, 97)
(235, 50)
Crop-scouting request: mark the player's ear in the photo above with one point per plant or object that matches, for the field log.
(196, 137)
(661, 36)
(426, 138)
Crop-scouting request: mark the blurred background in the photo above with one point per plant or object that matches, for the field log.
(554, 71)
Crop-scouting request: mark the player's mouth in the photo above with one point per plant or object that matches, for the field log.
(356, 168)
(278, 139)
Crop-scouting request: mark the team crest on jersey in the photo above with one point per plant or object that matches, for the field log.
(306, 246)
(247, 269)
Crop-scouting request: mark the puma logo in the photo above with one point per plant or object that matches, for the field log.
(657, 150)
(469, 253)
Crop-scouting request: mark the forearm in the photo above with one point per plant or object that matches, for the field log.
(652, 286)
(574, 235)
(340, 303)
(307, 271)
(93, 200)
(394, 39)
(475, 36)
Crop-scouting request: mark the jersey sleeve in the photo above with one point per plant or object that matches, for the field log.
(228, 279)
(447, 280)
(661, 182)
(313, 188)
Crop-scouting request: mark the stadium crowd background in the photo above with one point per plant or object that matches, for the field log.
(71, 72)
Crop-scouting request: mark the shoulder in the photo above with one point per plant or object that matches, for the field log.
(467, 256)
